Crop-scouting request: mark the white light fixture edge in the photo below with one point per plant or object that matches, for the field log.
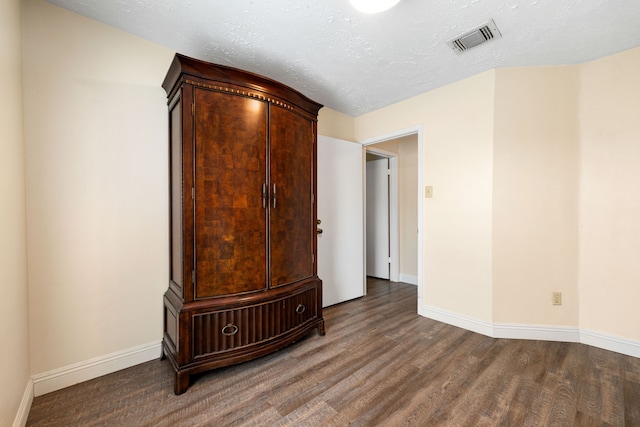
(373, 6)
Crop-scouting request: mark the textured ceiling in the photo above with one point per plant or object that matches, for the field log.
(356, 63)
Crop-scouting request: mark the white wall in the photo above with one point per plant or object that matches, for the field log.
(609, 269)
(14, 320)
(96, 150)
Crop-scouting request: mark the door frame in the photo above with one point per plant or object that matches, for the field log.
(394, 224)
(419, 131)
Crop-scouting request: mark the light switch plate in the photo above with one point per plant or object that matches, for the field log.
(428, 192)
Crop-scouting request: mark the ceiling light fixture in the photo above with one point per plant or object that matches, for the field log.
(373, 6)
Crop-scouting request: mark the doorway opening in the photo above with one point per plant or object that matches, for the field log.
(381, 213)
(405, 149)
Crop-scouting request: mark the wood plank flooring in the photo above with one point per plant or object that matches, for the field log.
(380, 364)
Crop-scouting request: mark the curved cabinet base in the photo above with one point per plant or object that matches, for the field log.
(220, 332)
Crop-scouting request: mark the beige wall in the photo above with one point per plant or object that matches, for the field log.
(97, 185)
(335, 124)
(14, 320)
(408, 181)
(535, 195)
(609, 269)
(458, 156)
(96, 149)
(390, 145)
(534, 173)
(95, 135)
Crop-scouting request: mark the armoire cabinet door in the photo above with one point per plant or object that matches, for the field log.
(230, 211)
(291, 222)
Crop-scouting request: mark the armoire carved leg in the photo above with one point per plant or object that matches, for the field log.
(321, 327)
(181, 383)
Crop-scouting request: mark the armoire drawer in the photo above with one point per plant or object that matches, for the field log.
(231, 329)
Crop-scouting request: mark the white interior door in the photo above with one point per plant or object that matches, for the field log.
(378, 218)
(340, 210)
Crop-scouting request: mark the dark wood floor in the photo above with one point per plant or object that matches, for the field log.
(379, 364)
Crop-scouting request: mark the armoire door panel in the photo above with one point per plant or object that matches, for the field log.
(291, 220)
(230, 171)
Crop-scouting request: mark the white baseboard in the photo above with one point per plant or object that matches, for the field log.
(66, 376)
(455, 319)
(534, 332)
(69, 375)
(610, 342)
(405, 278)
(25, 406)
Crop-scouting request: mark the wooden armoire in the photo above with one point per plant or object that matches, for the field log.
(242, 165)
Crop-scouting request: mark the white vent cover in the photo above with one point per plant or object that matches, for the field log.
(475, 37)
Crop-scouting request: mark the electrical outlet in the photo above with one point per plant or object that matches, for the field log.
(556, 298)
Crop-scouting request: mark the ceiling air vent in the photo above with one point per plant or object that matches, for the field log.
(475, 37)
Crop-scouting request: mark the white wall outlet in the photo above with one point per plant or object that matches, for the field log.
(428, 191)
(556, 298)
